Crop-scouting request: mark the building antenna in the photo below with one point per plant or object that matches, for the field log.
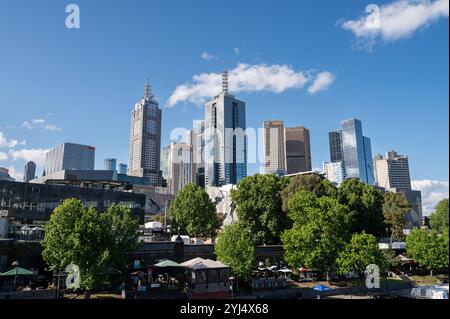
(148, 90)
(224, 78)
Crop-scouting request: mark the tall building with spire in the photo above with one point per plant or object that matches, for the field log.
(145, 139)
(225, 141)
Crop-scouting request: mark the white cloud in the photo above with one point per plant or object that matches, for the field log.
(322, 82)
(4, 142)
(41, 124)
(3, 156)
(35, 155)
(51, 127)
(244, 78)
(396, 20)
(432, 193)
(18, 176)
(207, 56)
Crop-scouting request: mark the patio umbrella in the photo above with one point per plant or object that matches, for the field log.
(321, 288)
(167, 263)
(18, 271)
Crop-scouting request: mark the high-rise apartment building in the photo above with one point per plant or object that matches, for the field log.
(298, 150)
(29, 171)
(145, 139)
(165, 161)
(69, 156)
(274, 147)
(179, 166)
(110, 164)
(392, 171)
(350, 146)
(225, 141)
(334, 171)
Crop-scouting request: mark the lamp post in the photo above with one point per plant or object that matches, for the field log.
(15, 264)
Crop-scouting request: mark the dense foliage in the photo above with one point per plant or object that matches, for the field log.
(395, 208)
(259, 208)
(234, 247)
(95, 242)
(193, 212)
(439, 219)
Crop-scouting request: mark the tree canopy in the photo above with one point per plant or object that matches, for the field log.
(321, 229)
(429, 249)
(259, 207)
(366, 202)
(194, 213)
(95, 242)
(395, 208)
(234, 248)
(439, 219)
(359, 253)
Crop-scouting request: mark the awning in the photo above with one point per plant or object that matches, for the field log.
(321, 288)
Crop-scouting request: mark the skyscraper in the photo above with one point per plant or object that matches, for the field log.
(353, 148)
(298, 150)
(334, 171)
(110, 164)
(145, 139)
(225, 140)
(179, 166)
(29, 171)
(69, 156)
(123, 168)
(274, 147)
(392, 171)
(165, 161)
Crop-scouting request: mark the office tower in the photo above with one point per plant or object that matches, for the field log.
(123, 168)
(29, 171)
(274, 147)
(145, 139)
(69, 156)
(179, 166)
(298, 150)
(392, 171)
(197, 142)
(110, 164)
(353, 148)
(164, 161)
(334, 171)
(335, 146)
(225, 141)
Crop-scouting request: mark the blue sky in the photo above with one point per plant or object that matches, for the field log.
(84, 82)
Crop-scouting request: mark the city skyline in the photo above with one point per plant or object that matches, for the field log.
(76, 105)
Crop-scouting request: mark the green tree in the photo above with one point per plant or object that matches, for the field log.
(366, 203)
(439, 219)
(95, 242)
(395, 208)
(194, 213)
(321, 229)
(359, 253)
(312, 183)
(234, 248)
(258, 205)
(429, 249)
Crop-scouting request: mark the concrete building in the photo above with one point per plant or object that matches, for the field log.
(68, 156)
(225, 140)
(179, 166)
(274, 147)
(165, 162)
(350, 146)
(29, 171)
(145, 139)
(334, 171)
(298, 150)
(196, 138)
(392, 171)
(4, 174)
(110, 164)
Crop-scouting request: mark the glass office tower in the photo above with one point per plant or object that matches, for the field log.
(353, 148)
